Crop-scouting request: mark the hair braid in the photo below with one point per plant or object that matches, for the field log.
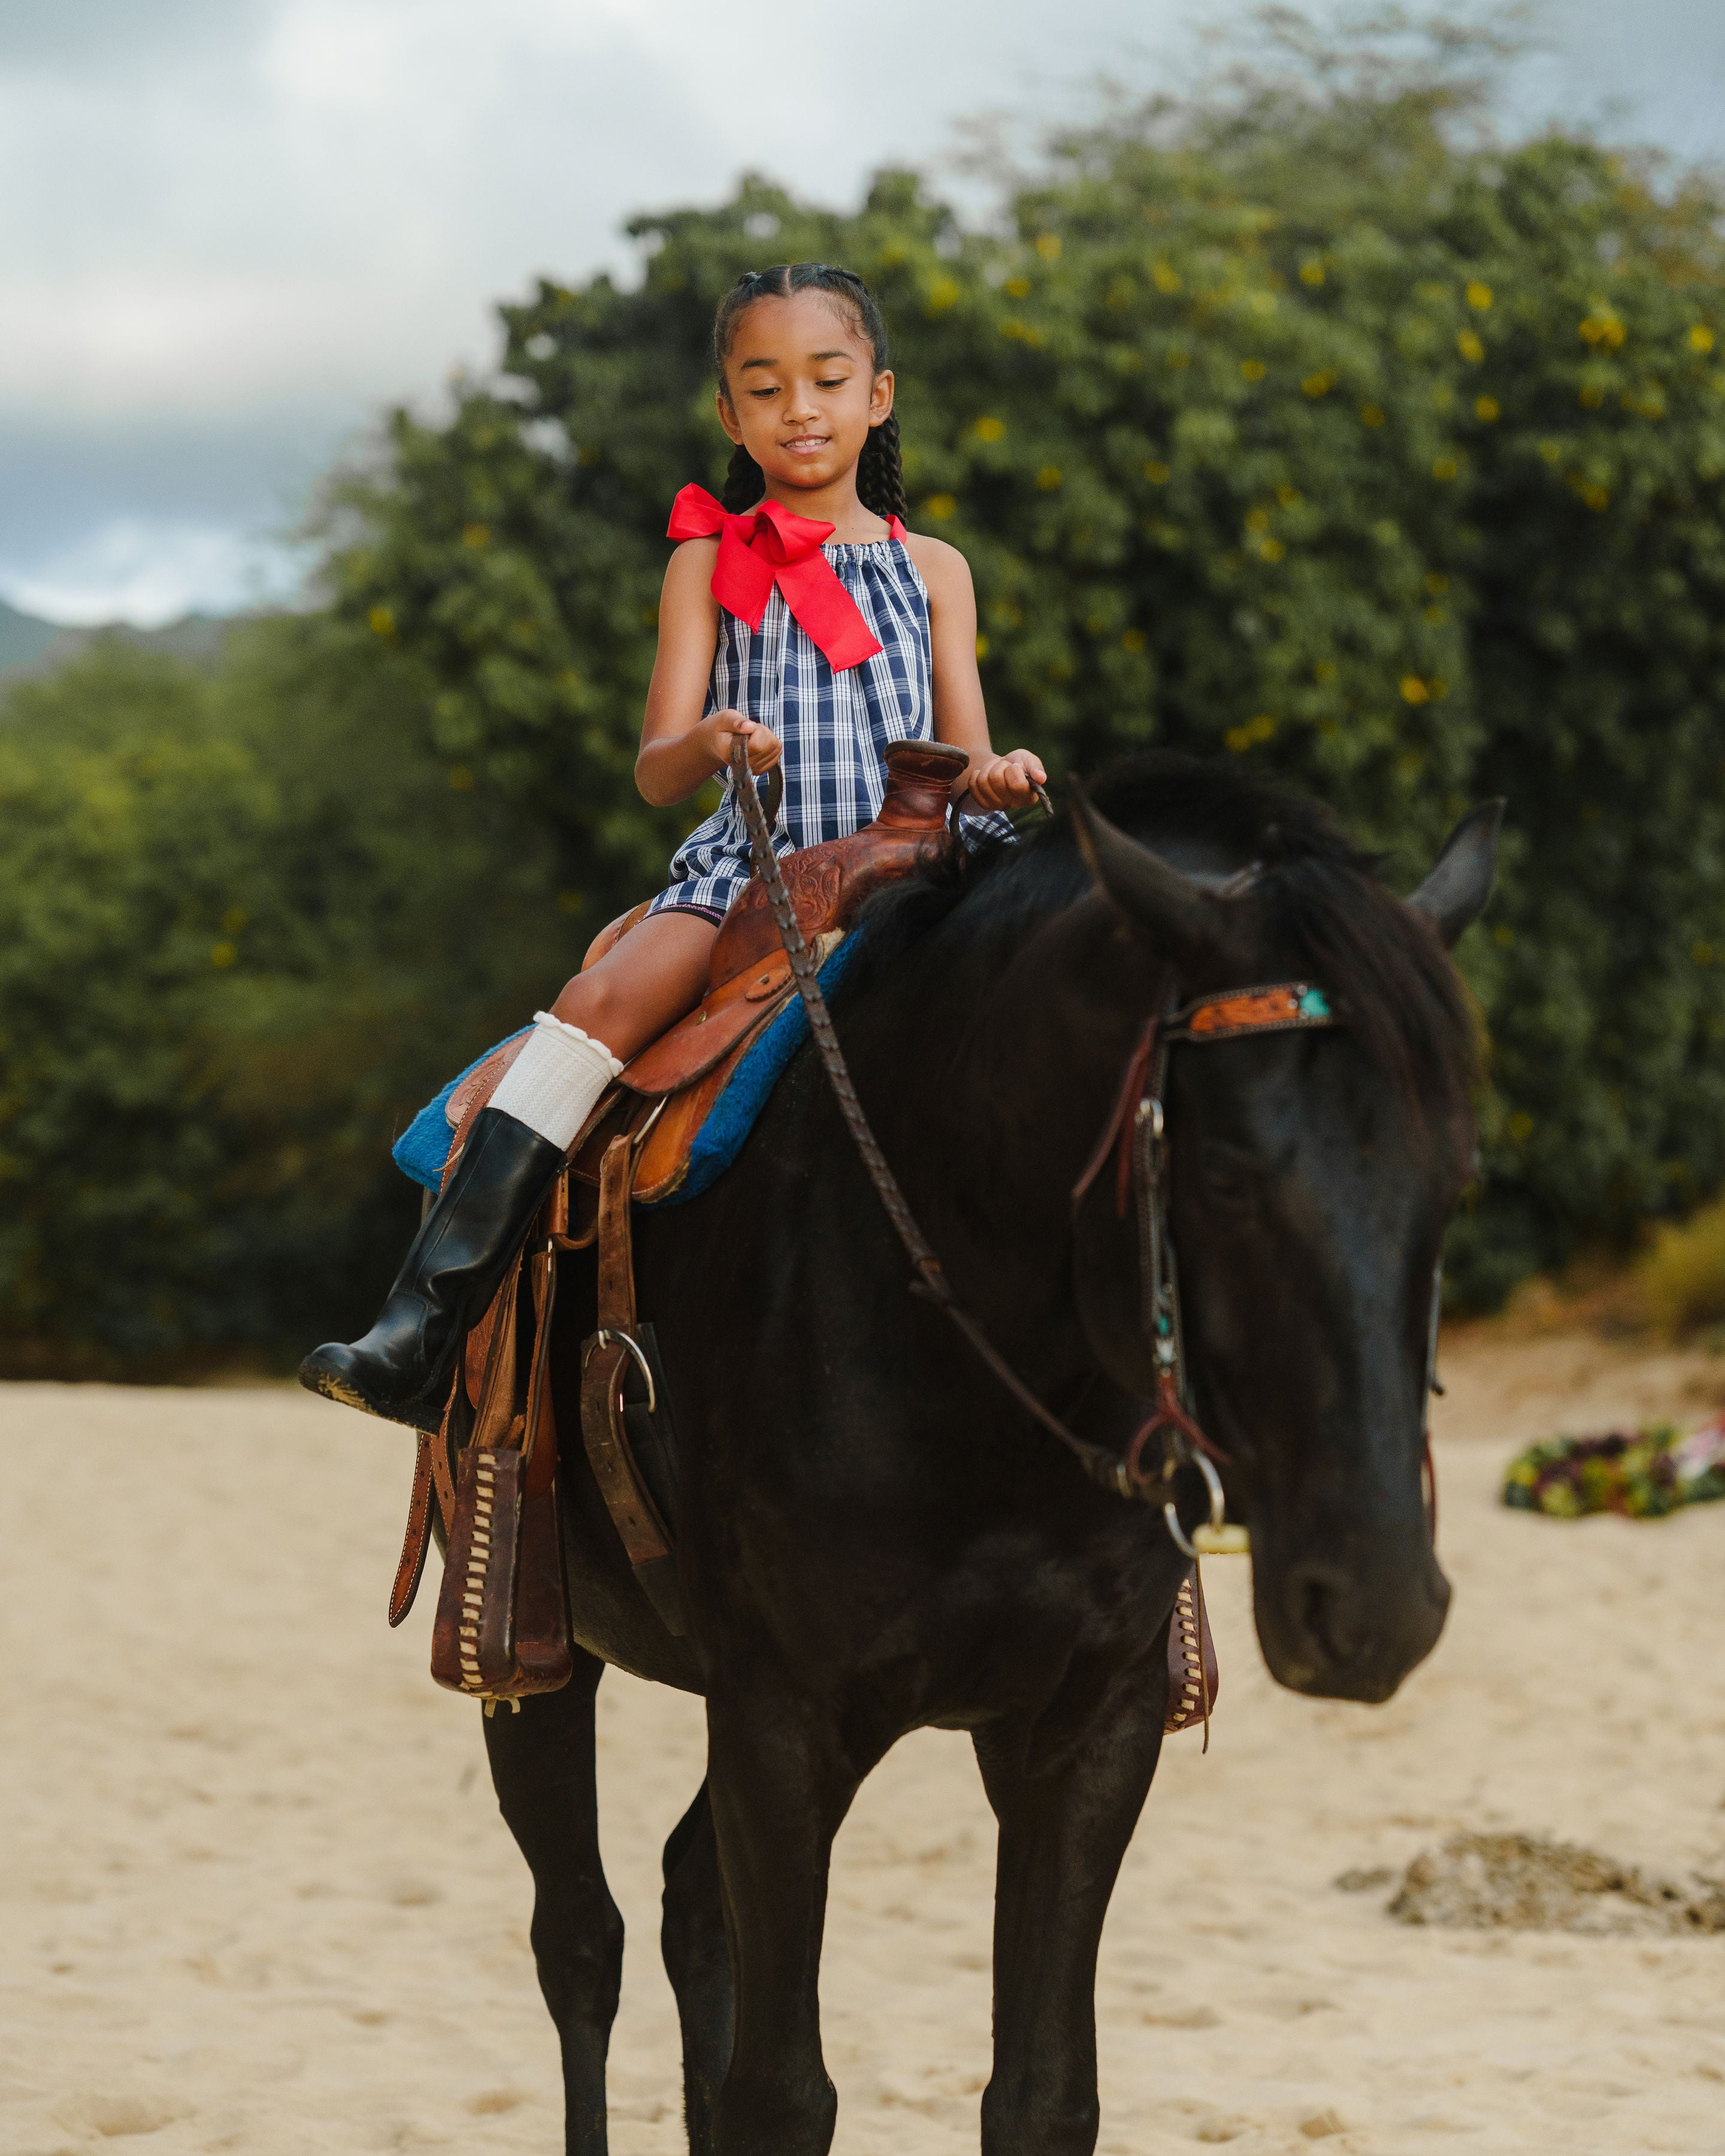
(743, 482)
(880, 472)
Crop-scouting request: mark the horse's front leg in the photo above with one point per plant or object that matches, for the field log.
(779, 1786)
(1065, 1823)
(542, 1770)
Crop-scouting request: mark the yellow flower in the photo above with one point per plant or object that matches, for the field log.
(942, 293)
(1272, 550)
(1551, 451)
(1487, 409)
(1288, 496)
(1156, 472)
(1017, 288)
(1134, 640)
(1596, 496)
(982, 647)
(382, 620)
(1700, 338)
(1258, 520)
(1165, 278)
(1254, 370)
(1436, 582)
(1445, 468)
(1372, 414)
(1049, 478)
(475, 535)
(1318, 385)
(1415, 690)
(1312, 272)
(940, 506)
(1241, 738)
(1521, 1127)
(1592, 395)
(1048, 246)
(1478, 296)
(990, 430)
(223, 954)
(1470, 348)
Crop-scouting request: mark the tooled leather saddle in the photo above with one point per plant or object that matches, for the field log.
(502, 1626)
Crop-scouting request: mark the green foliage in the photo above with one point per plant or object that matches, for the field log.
(1290, 428)
(245, 928)
(1681, 1279)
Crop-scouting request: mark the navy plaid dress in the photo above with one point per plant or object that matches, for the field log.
(836, 728)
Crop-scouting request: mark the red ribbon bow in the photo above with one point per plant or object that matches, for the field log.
(769, 545)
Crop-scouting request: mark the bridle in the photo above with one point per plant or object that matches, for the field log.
(1136, 1134)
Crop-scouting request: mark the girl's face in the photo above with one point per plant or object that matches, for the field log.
(801, 392)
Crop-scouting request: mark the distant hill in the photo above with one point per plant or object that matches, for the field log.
(23, 639)
(29, 646)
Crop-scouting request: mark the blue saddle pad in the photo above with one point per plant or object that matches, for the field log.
(423, 1147)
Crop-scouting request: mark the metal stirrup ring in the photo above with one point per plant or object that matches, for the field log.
(625, 1340)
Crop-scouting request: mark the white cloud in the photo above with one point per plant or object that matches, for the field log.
(273, 217)
(145, 571)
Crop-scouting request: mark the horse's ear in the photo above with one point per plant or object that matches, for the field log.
(1454, 895)
(1179, 917)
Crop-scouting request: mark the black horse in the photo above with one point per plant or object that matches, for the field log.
(872, 1537)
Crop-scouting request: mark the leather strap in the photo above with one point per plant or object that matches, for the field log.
(1193, 1678)
(610, 1356)
(472, 1641)
(417, 1540)
(617, 1255)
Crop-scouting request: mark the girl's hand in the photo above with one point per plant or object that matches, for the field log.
(764, 746)
(1006, 782)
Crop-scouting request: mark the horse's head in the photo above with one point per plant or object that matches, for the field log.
(1311, 1176)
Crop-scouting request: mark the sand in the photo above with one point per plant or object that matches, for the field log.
(256, 1895)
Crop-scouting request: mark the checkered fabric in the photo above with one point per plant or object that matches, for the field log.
(836, 728)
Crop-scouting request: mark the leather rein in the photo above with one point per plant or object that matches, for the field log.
(1136, 1134)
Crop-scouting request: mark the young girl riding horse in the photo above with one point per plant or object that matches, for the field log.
(801, 619)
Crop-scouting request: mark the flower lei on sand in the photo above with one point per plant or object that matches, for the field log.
(1644, 1474)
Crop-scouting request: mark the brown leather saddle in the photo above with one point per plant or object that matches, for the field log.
(668, 1091)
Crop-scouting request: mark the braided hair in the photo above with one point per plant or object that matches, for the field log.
(880, 475)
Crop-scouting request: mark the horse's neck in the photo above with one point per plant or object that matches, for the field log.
(1004, 1065)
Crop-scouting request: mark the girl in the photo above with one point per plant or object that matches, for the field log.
(814, 628)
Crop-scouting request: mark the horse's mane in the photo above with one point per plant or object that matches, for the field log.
(1329, 916)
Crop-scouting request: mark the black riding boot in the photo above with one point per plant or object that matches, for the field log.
(400, 1370)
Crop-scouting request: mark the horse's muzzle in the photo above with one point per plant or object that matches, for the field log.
(1337, 1630)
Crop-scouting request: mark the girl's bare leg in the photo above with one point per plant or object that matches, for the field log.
(402, 1367)
(643, 984)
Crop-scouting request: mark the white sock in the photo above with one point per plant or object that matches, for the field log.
(554, 1083)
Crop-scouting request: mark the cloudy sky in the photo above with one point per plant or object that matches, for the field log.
(233, 229)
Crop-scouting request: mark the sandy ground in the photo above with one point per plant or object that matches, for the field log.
(255, 1895)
